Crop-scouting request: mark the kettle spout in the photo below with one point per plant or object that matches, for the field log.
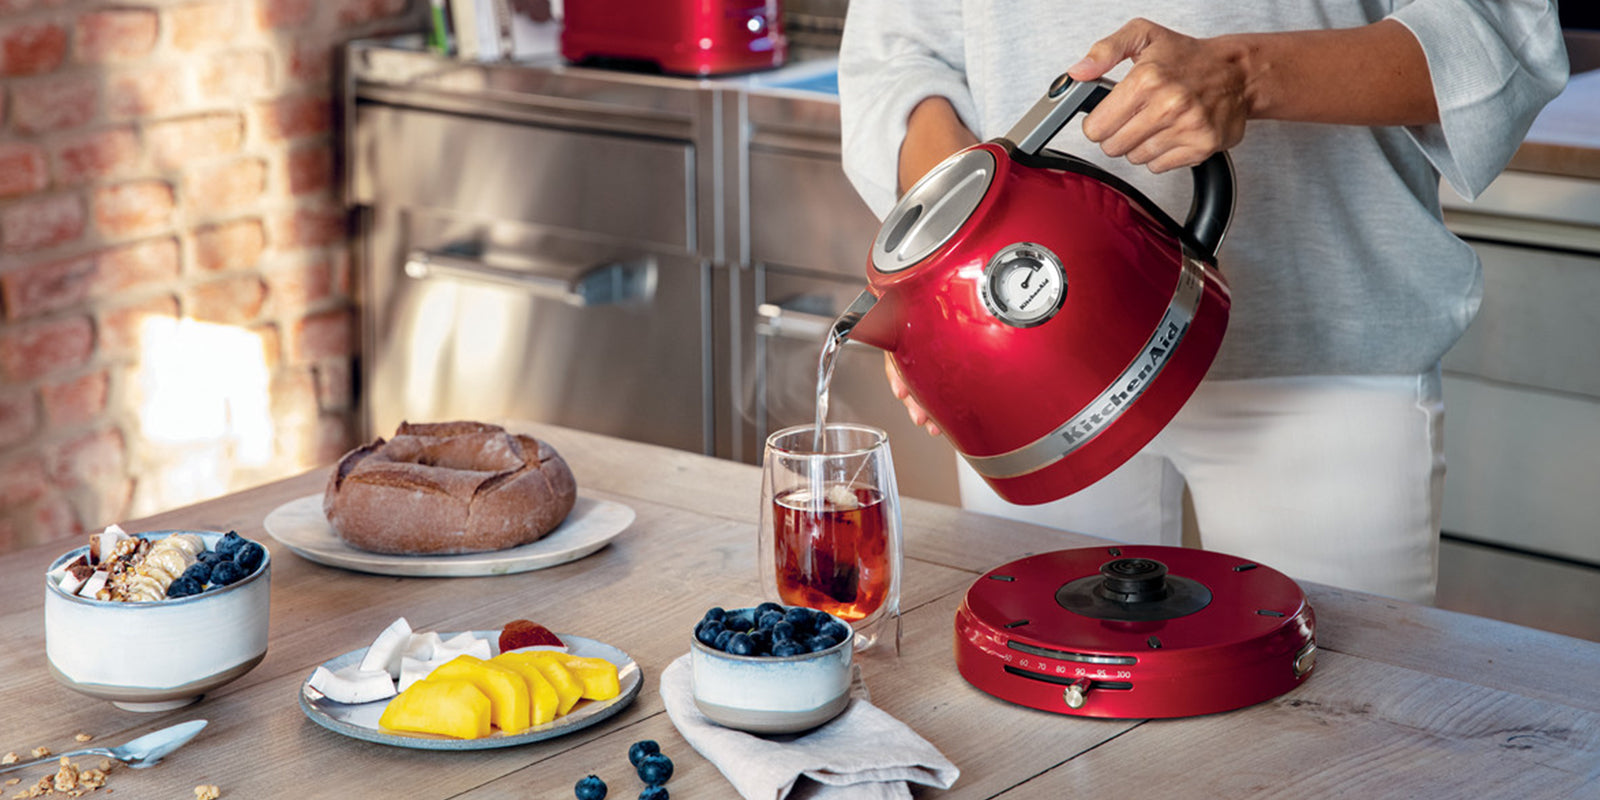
(869, 320)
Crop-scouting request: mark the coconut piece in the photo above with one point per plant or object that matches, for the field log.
(102, 544)
(69, 577)
(352, 685)
(415, 669)
(463, 644)
(94, 585)
(421, 646)
(384, 652)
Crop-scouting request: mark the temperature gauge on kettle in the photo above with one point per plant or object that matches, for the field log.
(1023, 285)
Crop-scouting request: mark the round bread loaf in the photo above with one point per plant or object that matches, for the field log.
(448, 487)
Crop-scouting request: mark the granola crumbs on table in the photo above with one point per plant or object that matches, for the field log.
(66, 776)
(207, 791)
(41, 751)
(82, 737)
(10, 758)
(68, 780)
(40, 789)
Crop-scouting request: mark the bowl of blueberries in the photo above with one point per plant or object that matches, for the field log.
(152, 621)
(771, 668)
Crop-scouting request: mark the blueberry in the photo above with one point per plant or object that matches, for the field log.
(184, 586)
(738, 623)
(199, 571)
(834, 630)
(740, 645)
(716, 614)
(654, 793)
(708, 633)
(819, 643)
(640, 749)
(765, 607)
(209, 557)
(249, 555)
(721, 642)
(589, 787)
(655, 769)
(788, 648)
(783, 631)
(229, 543)
(767, 619)
(799, 616)
(760, 642)
(227, 572)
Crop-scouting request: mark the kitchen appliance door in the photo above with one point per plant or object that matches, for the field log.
(791, 322)
(491, 320)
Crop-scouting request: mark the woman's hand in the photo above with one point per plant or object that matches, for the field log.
(897, 384)
(1184, 100)
(1187, 98)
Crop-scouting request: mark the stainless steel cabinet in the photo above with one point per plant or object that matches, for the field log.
(534, 246)
(487, 319)
(1522, 387)
(647, 257)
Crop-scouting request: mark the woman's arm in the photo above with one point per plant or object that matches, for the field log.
(893, 55)
(933, 132)
(1186, 98)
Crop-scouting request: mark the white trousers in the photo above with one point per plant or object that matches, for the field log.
(1331, 479)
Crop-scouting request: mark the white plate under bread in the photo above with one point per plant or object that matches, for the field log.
(302, 527)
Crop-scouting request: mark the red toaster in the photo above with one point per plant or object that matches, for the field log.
(686, 37)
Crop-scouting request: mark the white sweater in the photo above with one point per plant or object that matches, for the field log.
(1337, 257)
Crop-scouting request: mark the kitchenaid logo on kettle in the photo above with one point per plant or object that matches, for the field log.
(1118, 396)
(1109, 406)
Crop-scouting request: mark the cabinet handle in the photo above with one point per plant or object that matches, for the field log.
(775, 321)
(631, 282)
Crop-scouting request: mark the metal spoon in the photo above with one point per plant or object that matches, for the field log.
(144, 751)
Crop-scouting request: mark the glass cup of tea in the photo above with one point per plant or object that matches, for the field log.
(830, 526)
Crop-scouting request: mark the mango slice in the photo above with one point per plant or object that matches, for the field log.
(597, 675)
(545, 700)
(549, 663)
(445, 707)
(510, 706)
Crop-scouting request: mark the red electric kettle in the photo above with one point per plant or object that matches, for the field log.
(1050, 317)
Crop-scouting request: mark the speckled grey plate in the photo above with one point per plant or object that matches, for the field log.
(361, 721)
(301, 526)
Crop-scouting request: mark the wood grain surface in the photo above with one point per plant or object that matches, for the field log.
(1406, 701)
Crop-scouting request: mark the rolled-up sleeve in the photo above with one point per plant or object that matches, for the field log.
(893, 55)
(1494, 65)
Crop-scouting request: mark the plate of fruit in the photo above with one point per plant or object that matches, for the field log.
(470, 690)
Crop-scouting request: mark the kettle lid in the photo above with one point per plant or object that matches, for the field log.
(933, 209)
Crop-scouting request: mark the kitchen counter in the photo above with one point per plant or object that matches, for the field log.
(1405, 700)
(1565, 138)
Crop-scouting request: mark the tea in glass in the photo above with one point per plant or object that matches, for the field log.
(830, 530)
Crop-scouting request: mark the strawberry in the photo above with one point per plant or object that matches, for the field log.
(524, 633)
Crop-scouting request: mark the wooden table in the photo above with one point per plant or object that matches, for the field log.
(1406, 701)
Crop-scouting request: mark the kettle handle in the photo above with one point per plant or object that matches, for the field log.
(1212, 207)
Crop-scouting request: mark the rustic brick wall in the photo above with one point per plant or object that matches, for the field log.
(161, 162)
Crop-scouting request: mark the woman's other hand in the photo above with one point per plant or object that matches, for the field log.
(897, 384)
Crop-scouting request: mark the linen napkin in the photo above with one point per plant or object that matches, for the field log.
(862, 754)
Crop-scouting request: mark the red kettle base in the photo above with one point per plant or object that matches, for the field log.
(1134, 632)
